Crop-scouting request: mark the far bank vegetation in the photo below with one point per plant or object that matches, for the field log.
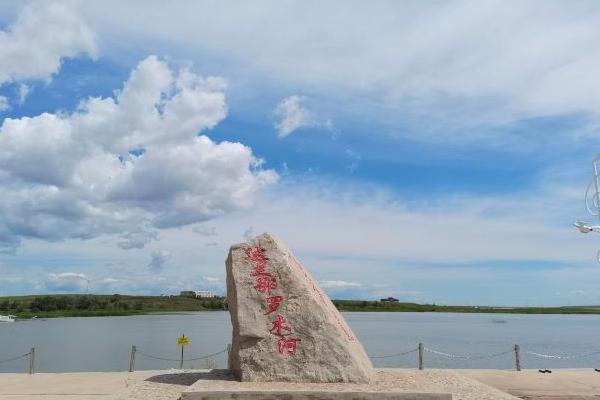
(102, 305)
(82, 305)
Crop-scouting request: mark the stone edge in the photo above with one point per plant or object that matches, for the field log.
(242, 394)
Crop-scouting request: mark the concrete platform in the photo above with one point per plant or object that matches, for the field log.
(561, 384)
(389, 385)
(74, 385)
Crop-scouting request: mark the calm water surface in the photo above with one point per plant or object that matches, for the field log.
(103, 344)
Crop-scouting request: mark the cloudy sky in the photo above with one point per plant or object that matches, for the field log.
(431, 151)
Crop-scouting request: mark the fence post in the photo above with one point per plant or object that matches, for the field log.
(31, 360)
(228, 352)
(420, 356)
(132, 358)
(518, 357)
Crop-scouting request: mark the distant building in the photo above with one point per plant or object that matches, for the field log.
(390, 300)
(205, 294)
(197, 294)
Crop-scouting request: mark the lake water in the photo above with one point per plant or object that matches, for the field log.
(103, 344)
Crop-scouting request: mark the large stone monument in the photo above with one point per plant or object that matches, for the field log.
(285, 328)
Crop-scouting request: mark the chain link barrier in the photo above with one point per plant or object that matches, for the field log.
(205, 357)
(15, 358)
(467, 357)
(488, 356)
(179, 359)
(404, 353)
(396, 355)
(554, 356)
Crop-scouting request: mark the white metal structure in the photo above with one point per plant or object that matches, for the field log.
(592, 201)
(7, 318)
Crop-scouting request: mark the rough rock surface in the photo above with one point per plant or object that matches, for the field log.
(285, 328)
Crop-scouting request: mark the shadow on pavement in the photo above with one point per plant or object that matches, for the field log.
(189, 378)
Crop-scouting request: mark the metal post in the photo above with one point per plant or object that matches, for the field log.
(518, 357)
(420, 356)
(132, 358)
(229, 356)
(31, 360)
(181, 363)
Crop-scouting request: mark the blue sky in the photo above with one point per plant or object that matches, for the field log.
(435, 152)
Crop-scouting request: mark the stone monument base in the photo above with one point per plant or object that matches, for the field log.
(221, 385)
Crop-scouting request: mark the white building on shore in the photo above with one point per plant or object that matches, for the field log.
(198, 294)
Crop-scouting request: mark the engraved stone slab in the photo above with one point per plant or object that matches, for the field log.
(285, 328)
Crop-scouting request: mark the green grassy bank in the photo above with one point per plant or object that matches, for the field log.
(92, 305)
(49, 306)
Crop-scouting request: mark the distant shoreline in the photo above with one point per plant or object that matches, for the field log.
(91, 305)
(378, 306)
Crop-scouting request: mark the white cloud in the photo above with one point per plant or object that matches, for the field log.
(354, 159)
(211, 279)
(137, 238)
(23, 92)
(44, 33)
(73, 176)
(111, 281)
(204, 230)
(330, 220)
(67, 282)
(10, 279)
(248, 233)
(158, 260)
(292, 115)
(109, 284)
(338, 284)
(4, 104)
(447, 250)
(412, 63)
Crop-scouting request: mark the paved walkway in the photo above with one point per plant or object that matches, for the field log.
(81, 385)
(561, 384)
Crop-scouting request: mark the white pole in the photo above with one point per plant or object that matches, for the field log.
(596, 185)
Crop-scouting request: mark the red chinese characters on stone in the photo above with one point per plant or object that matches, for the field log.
(286, 344)
(279, 326)
(264, 284)
(259, 270)
(256, 255)
(273, 303)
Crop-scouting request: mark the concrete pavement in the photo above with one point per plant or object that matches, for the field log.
(561, 384)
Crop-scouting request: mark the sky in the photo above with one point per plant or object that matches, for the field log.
(432, 151)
